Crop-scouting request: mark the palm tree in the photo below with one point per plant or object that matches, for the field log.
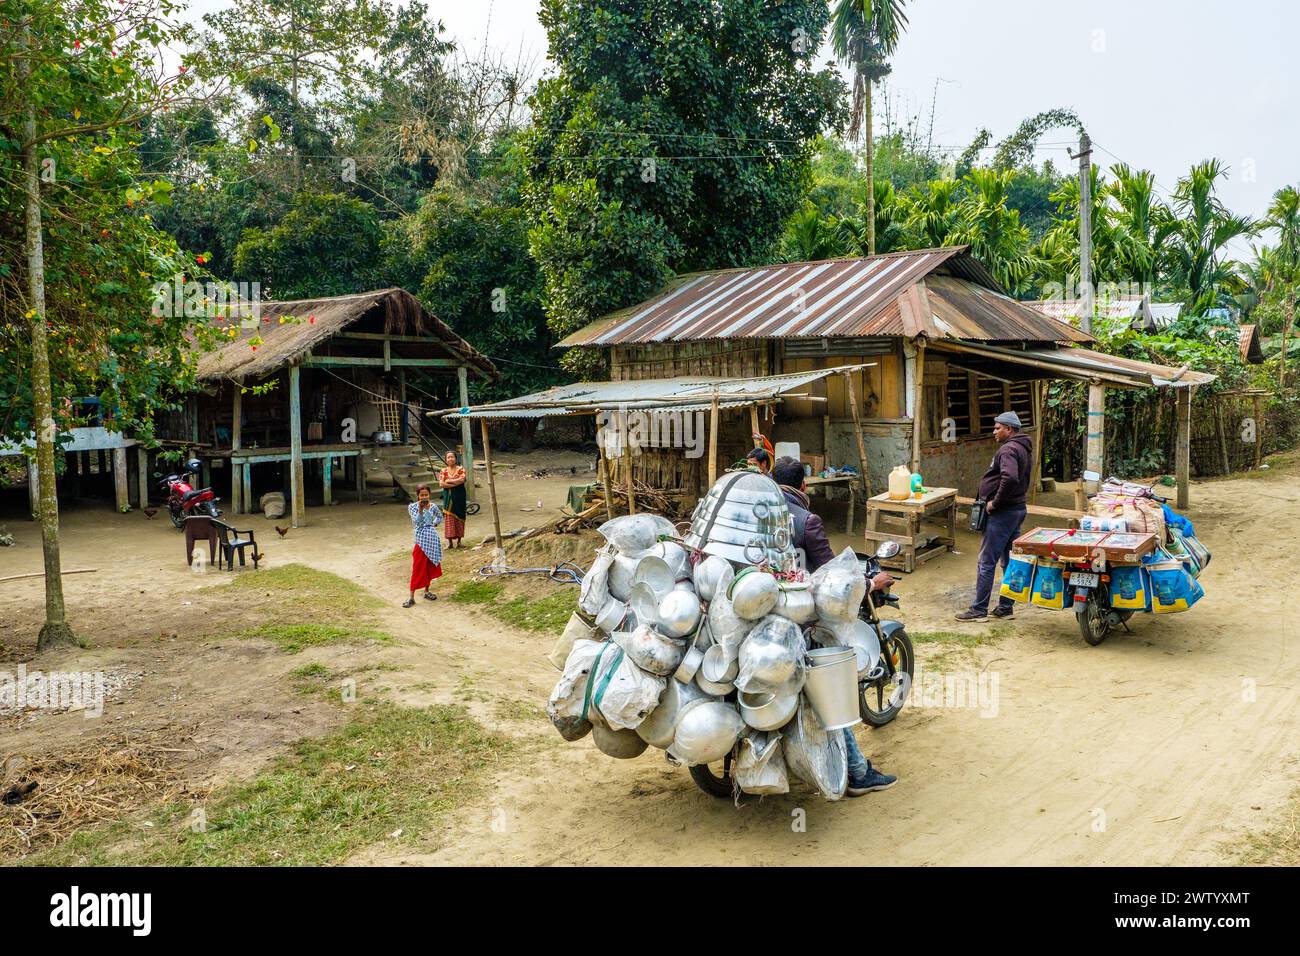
(890, 223)
(934, 211)
(811, 236)
(1202, 230)
(865, 33)
(1284, 216)
(1142, 223)
(993, 230)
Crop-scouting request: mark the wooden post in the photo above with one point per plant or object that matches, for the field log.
(142, 474)
(237, 503)
(862, 448)
(627, 467)
(918, 409)
(1096, 433)
(492, 483)
(1223, 438)
(1183, 450)
(1036, 473)
(296, 484)
(403, 429)
(713, 442)
(466, 435)
(754, 428)
(121, 486)
(72, 474)
(361, 474)
(327, 480)
(1259, 430)
(603, 464)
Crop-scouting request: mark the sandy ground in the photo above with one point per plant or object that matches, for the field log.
(1167, 745)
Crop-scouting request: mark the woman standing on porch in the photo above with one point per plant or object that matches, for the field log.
(426, 556)
(452, 482)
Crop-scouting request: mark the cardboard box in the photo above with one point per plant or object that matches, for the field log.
(815, 462)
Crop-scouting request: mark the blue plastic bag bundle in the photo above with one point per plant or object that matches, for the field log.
(1172, 587)
(1130, 588)
(1018, 578)
(1049, 585)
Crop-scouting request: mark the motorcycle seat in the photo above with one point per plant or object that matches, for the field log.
(189, 495)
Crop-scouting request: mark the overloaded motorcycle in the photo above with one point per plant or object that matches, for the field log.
(883, 685)
(184, 500)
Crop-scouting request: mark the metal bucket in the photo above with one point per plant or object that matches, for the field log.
(832, 686)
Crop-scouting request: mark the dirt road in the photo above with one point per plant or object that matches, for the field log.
(1167, 745)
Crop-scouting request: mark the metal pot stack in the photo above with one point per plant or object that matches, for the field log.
(708, 634)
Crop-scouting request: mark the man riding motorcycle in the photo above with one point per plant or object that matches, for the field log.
(810, 536)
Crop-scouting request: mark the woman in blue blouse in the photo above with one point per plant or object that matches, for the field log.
(426, 556)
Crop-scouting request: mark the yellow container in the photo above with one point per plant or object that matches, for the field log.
(1049, 585)
(900, 483)
(1018, 578)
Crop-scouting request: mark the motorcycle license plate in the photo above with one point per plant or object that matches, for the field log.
(1084, 579)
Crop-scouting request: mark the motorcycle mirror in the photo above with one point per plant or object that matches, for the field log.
(887, 549)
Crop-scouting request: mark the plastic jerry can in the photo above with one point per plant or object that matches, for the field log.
(900, 483)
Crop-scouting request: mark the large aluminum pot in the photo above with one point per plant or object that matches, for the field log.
(753, 593)
(675, 556)
(621, 744)
(764, 711)
(661, 724)
(771, 659)
(644, 603)
(679, 613)
(706, 731)
(622, 575)
(742, 509)
(651, 651)
(633, 534)
(838, 595)
(712, 575)
(726, 626)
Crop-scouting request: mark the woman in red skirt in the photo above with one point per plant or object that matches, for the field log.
(426, 556)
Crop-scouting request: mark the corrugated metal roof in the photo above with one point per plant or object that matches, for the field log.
(584, 398)
(1067, 310)
(1084, 364)
(875, 295)
(963, 310)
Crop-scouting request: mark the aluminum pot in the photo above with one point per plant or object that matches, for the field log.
(679, 613)
(675, 556)
(711, 575)
(644, 603)
(753, 593)
(764, 711)
(611, 615)
(838, 595)
(654, 571)
(661, 724)
(795, 603)
(690, 665)
(706, 731)
(727, 627)
(651, 651)
(719, 667)
(771, 659)
(633, 534)
(621, 744)
(622, 575)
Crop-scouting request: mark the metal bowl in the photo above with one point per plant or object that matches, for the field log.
(611, 615)
(679, 613)
(621, 744)
(675, 556)
(839, 594)
(660, 725)
(654, 571)
(753, 593)
(719, 667)
(706, 731)
(711, 575)
(764, 711)
(622, 575)
(644, 602)
(651, 651)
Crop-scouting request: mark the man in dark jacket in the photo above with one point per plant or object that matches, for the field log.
(1003, 489)
(810, 536)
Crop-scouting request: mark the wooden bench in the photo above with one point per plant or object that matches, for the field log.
(1037, 511)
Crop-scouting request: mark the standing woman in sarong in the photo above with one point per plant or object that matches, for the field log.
(426, 556)
(452, 482)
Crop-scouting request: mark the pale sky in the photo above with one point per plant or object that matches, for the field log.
(1161, 84)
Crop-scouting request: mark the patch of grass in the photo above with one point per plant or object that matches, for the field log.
(478, 592)
(305, 607)
(508, 708)
(548, 614)
(392, 768)
(1278, 846)
(311, 679)
(962, 639)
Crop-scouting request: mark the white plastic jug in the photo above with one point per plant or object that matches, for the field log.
(900, 483)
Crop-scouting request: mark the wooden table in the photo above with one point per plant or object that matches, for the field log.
(849, 481)
(908, 515)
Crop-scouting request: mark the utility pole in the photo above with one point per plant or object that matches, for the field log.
(1085, 232)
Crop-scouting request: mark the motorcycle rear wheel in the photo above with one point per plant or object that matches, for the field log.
(1094, 623)
(719, 783)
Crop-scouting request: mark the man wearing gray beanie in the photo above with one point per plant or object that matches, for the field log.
(1002, 488)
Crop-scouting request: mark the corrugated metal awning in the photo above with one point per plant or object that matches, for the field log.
(689, 393)
(1073, 363)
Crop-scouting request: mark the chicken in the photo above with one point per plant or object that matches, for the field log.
(281, 531)
(150, 512)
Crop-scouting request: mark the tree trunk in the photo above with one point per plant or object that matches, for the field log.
(55, 632)
(871, 169)
(1286, 330)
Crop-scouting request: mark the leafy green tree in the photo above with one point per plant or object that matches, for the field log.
(865, 34)
(326, 245)
(933, 211)
(1284, 216)
(1198, 242)
(1142, 224)
(993, 230)
(676, 135)
(811, 235)
(76, 276)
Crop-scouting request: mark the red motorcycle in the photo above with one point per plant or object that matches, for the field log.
(184, 500)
